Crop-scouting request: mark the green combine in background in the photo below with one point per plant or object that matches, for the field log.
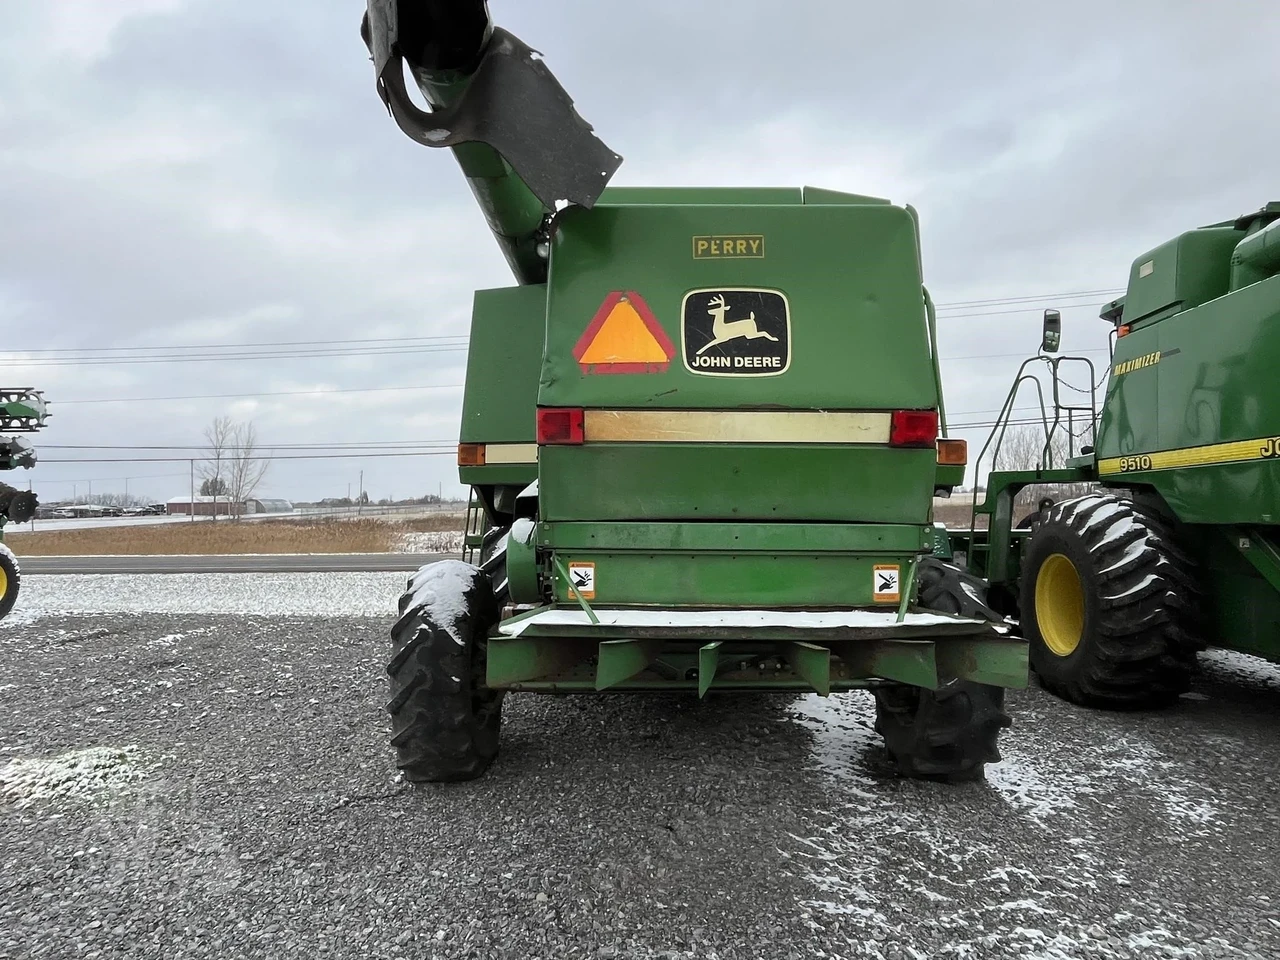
(703, 433)
(1178, 546)
(22, 410)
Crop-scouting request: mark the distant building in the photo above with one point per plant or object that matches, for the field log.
(267, 505)
(203, 506)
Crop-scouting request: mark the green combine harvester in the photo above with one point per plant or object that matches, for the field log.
(1177, 547)
(703, 432)
(22, 410)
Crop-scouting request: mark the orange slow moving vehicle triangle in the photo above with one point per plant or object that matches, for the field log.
(624, 337)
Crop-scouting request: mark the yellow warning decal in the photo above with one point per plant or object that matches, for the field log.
(582, 581)
(884, 583)
(1237, 451)
(624, 337)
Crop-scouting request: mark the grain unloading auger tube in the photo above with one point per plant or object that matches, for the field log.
(523, 147)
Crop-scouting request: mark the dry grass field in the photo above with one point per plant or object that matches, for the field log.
(273, 536)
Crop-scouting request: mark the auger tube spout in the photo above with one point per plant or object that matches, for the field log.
(521, 144)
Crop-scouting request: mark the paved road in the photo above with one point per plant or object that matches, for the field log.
(252, 563)
(179, 785)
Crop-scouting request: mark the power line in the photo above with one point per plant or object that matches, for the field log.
(432, 386)
(240, 357)
(1000, 356)
(317, 347)
(264, 447)
(274, 393)
(236, 346)
(451, 451)
(1006, 313)
(998, 301)
(150, 476)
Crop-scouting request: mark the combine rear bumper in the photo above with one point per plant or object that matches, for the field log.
(557, 649)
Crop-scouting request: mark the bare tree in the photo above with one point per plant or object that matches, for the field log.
(213, 471)
(234, 465)
(1023, 447)
(247, 467)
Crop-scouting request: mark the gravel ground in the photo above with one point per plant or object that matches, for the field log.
(182, 784)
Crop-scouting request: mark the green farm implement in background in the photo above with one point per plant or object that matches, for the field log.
(703, 433)
(1177, 545)
(22, 410)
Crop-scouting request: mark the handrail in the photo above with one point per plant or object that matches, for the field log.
(1004, 419)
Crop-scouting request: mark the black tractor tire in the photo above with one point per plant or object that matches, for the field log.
(445, 722)
(946, 588)
(948, 734)
(10, 580)
(1130, 638)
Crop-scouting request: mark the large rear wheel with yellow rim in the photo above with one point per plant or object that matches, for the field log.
(10, 580)
(1111, 606)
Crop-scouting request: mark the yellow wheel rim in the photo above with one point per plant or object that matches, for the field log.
(1059, 605)
(4, 582)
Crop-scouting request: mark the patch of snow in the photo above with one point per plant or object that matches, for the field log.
(1037, 792)
(1144, 765)
(1131, 552)
(801, 619)
(76, 776)
(842, 732)
(1121, 529)
(530, 491)
(1160, 940)
(364, 594)
(1104, 513)
(1071, 507)
(440, 589)
(892, 861)
(1255, 668)
(522, 529)
(1146, 581)
(430, 541)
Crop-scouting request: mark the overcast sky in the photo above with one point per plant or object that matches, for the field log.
(215, 172)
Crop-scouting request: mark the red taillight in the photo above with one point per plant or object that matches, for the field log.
(559, 425)
(913, 428)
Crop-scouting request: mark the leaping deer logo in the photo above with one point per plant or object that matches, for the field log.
(722, 330)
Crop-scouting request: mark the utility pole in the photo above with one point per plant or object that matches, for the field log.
(360, 495)
(191, 506)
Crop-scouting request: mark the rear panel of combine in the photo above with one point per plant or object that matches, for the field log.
(729, 406)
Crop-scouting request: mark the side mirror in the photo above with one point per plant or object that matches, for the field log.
(1052, 335)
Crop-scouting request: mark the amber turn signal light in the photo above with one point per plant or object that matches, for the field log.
(471, 454)
(953, 453)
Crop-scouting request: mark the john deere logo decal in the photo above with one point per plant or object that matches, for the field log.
(742, 332)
